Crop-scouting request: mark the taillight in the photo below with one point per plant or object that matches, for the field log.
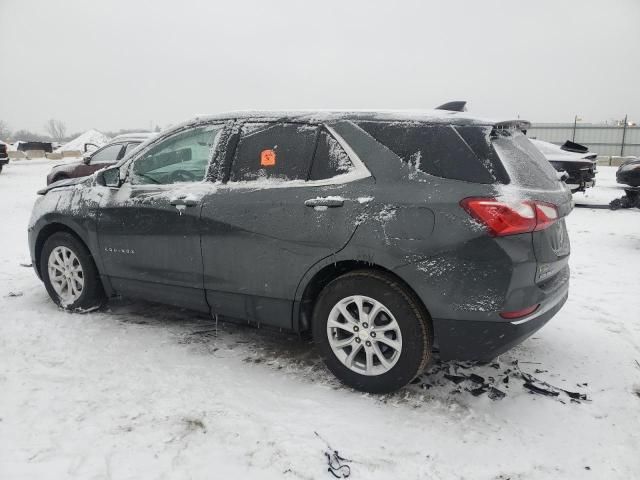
(520, 313)
(510, 218)
(546, 214)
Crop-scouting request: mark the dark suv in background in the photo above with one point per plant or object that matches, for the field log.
(104, 156)
(384, 235)
(4, 156)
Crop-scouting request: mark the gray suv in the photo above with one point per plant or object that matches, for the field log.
(385, 236)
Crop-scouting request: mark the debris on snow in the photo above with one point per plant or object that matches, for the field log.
(337, 466)
(478, 385)
(533, 388)
(630, 199)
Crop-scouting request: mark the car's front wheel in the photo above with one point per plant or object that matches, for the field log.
(69, 273)
(372, 332)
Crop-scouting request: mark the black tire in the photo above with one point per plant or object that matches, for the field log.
(413, 320)
(92, 295)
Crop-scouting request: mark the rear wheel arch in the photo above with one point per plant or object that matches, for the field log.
(378, 353)
(330, 272)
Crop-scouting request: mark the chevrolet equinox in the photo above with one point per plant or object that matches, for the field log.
(386, 236)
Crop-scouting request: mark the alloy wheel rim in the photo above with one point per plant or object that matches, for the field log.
(65, 274)
(364, 335)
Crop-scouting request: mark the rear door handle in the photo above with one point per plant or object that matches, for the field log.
(331, 202)
(184, 202)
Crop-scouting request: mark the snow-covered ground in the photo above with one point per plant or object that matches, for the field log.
(145, 391)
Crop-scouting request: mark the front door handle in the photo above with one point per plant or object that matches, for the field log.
(331, 202)
(183, 202)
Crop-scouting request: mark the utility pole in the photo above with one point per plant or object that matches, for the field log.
(624, 134)
(575, 124)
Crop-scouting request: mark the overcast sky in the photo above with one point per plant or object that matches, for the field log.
(128, 64)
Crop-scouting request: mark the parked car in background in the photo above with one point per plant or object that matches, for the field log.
(574, 159)
(384, 235)
(4, 156)
(22, 146)
(115, 150)
(628, 172)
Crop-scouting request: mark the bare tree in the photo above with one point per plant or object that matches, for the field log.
(56, 128)
(5, 132)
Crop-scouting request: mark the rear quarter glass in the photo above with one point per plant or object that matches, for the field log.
(459, 153)
(525, 164)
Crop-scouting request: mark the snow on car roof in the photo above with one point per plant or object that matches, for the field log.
(427, 116)
(134, 136)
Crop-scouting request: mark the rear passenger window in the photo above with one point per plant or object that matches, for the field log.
(267, 150)
(434, 149)
(330, 159)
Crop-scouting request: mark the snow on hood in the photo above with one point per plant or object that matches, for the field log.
(67, 182)
(90, 136)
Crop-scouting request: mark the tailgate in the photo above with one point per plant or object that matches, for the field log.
(551, 247)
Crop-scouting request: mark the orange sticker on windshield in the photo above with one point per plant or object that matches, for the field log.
(267, 158)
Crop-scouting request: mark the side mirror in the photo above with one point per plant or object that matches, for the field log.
(109, 177)
(86, 159)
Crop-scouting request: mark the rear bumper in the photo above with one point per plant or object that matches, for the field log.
(580, 186)
(581, 175)
(484, 340)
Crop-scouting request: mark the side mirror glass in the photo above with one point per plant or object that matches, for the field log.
(109, 177)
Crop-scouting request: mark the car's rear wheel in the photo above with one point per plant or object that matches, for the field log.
(372, 332)
(69, 273)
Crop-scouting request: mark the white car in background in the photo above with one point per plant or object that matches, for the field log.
(574, 159)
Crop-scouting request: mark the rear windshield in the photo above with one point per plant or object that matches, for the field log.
(478, 154)
(460, 153)
(524, 163)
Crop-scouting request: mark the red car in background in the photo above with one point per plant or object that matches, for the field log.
(105, 156)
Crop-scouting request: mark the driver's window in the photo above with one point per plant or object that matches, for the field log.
(183, 157)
